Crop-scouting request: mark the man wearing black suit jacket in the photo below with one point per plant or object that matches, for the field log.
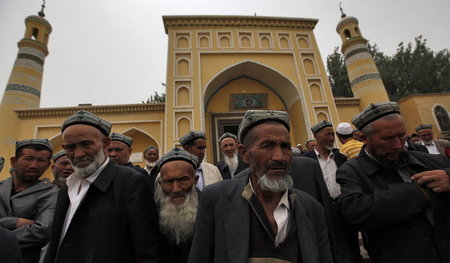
(329, 160)
(231, 163)
(106, 212)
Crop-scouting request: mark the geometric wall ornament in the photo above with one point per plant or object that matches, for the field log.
(203, 40)
(183, 97)
(303, 41)
(224, 39)
(284, 40)
(183, 40)
(245, 39)
(265, 40)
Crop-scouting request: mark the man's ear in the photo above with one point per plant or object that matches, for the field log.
(364, 138)
(243, 153)
(196, 179)
(13, 161)
(106, 141)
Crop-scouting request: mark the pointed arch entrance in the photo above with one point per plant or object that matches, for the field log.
(248, 85)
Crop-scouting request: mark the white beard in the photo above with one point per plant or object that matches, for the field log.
(232, 163)
(275, 185)
(91, 168)
(150, 164)
(176, 221)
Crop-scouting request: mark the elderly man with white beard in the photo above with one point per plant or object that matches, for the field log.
(106, 213)
(176, 198)
(231, 163)
(259, 217)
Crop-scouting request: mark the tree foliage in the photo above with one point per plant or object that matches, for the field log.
(156, 98)
(413, 69)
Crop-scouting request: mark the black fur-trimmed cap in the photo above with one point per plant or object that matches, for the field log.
(115, 136)
(255, 117)
(43, 142)
(85, 117)
(373, 112)
(178, 154)
(192, 135)
(319, 126)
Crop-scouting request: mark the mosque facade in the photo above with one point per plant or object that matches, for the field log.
(218, 67)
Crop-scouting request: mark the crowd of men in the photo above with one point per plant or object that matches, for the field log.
(262, 202)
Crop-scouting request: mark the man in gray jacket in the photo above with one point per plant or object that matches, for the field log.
(259, 217)
(27, 204)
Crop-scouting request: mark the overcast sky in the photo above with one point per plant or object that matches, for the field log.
(114, 52)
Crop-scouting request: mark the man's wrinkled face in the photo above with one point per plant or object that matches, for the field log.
(83, 143)
(325, 138)
(30, 165)
(151, 155)
(387, 141)
(119, 152)
(62, 167)
(228, 147)
(426, 135)
(177, 180)
(198, 148)
(270, 151)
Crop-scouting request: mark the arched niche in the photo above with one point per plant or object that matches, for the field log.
(182, 42)
(183, 126)
(269, 77)
(309, 66)
(183, 96)
(183, 67)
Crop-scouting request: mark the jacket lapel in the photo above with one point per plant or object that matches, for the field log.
(236, 221)
(38, 186)
(304, 229)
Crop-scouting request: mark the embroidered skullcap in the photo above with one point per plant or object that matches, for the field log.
(373, 112)
(423, 127)
(344, 128)
(2, 162)
(151, 147)
(59, 154)
(228, 135)
(115, 136)
(43, 142)
(192, 135)
(85, 117)
(178, 154)
(319, 126)
(255, 117)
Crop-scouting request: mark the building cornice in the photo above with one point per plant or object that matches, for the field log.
(351, 101)
(99, 110)
(238, 21)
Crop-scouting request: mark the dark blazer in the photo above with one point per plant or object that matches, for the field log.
(9, 247)
(339, 158)
(223, 168)
(411, 146)
(223, 218)
(394, 214)
(115, 222)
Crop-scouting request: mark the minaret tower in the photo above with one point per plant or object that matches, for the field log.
(365, 80)
(23, 90)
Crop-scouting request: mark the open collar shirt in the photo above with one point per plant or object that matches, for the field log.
(280, 214)
(77, 187)
(329, 167)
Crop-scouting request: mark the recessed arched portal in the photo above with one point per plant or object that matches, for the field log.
(256, 85)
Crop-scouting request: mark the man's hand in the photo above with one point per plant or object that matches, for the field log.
(23, 222)
(436, 180)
